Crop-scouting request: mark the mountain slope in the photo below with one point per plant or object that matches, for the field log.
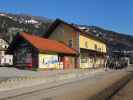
(12, 23)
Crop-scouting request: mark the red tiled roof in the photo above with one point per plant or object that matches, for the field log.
(43, 44)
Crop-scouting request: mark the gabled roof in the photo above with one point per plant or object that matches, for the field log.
(43, 44)
(59, 21)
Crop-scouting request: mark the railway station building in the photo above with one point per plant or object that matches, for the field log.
(91, 49)
(64, 46)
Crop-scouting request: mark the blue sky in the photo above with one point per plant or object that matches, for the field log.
(116, 15)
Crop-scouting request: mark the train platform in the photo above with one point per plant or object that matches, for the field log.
(79, 85)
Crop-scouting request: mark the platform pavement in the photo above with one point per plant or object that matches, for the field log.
(96, 81)
(15, 82)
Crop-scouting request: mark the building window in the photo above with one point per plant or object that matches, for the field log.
(99, 49)
(4, 60)
(70, 43)
(95, 47)
(84, 58)
(44, 61)
(6, 46)
(10, 60)
(86, 44)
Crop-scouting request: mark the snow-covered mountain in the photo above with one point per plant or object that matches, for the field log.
(25, 18)
(12, 23)
(20, 19)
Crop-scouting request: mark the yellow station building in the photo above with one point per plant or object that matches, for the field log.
(92, 52)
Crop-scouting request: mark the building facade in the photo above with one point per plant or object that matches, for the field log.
(92, 50)
(33, 52)
(5, 59)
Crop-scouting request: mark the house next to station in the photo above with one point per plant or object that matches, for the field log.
(34, 52)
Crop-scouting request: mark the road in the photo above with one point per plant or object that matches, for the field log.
(79, 89)
(126, 93)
